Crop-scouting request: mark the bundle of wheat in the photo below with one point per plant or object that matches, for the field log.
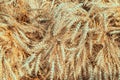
(59, 40)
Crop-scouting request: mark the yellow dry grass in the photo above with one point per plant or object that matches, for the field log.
(59, 39)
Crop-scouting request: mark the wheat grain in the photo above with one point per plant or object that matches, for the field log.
(27, 63)
(24, 36)
(63, 52)
(76, 30)
(118, 73)
(91, 72)
(38, 47)
(37, 64)
(80, 51)
(53, 2)
(110, 71)
(96, 73)
(52, 70)
(20, 72)
(10, 70)
(114, 72)
(77, 7)
(69, 29)
(1, 68)
(105, 76)
(29, 59)
(60, 67)
(73, 20)
(100, 74)
(31, 69)
(23, 45)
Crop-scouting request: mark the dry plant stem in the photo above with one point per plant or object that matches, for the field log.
(59, 40)
(1, 68)
(10, 70)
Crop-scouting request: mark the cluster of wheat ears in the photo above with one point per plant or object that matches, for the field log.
(59, 40)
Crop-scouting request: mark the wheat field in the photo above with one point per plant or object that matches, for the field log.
(59, 40)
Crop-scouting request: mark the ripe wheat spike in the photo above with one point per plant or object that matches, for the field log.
(59, 40)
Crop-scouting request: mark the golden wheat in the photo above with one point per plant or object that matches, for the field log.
(59, 40)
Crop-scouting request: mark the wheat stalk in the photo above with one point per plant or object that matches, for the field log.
(59, 39)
